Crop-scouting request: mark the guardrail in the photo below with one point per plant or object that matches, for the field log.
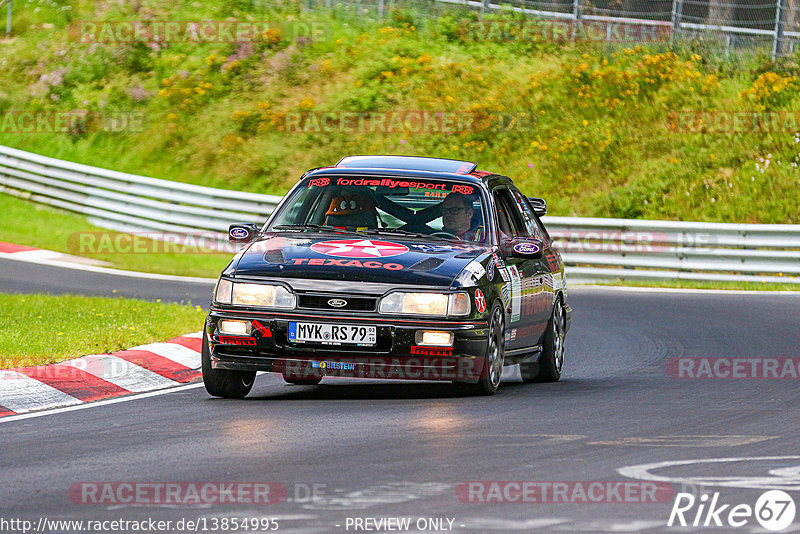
(632, 249)
(593, 248)
(127, 202)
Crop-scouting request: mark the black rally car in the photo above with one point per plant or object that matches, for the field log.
(391, 267)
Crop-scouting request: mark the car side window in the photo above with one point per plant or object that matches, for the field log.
(508, 214)
(528, 216)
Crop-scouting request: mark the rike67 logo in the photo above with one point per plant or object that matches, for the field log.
(774, 510)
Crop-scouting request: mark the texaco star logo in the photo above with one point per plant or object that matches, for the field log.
(480, 301)
(359, 248)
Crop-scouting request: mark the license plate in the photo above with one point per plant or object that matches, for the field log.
(332, 334)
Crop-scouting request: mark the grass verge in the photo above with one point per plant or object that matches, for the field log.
(40, 329)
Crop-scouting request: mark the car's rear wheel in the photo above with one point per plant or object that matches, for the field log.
(492, 368)
(302, 381)
(223, 382)
(552, 359)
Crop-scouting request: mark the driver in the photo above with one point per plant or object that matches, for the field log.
(457, 212)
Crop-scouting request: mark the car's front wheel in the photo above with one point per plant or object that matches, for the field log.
(552, 359)
(223, 382)
(492, 368)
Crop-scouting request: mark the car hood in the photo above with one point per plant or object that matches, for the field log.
(354, 258)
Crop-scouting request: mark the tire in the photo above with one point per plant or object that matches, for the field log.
(302, 381)
(223, 382)
(495, 356)
(551, 361)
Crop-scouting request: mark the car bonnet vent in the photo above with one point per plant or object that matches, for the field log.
(274, 256)
(428, 264)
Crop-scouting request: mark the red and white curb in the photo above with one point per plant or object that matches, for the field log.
(101, 376)
(12, 251)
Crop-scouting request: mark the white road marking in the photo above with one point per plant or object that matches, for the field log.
(784, 478)
(120, 372)
(104, 270)
(172, 351)
(685, 441)
(391, 493)
(198, 335)
(43, 256)
(20, 393)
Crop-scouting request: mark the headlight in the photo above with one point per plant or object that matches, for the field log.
(262, 295)
(270, 296)
(425, 303)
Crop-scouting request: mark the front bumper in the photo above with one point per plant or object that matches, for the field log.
(395, 354)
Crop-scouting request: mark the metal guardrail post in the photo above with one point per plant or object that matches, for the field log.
(8, 17)
(677, 14)
(780, 22)
(577, 13)
(380, 9)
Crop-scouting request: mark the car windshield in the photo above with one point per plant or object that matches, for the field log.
(447, 209)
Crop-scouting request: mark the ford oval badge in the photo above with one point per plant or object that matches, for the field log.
(337, 303)
(526, 248)
(239, 233)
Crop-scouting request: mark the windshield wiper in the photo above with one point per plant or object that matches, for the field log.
(398, 231)
(315, 227)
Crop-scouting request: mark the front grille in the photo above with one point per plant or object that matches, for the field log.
(320, 302)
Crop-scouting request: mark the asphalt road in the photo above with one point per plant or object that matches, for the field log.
(401, 449)
(26, 277)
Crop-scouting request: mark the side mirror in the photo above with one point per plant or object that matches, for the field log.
(520, 247)
(243, 232)
(539, 205)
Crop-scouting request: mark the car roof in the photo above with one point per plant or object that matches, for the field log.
(406, 166)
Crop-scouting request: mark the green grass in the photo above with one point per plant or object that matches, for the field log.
(40, 329)
(593, 132)
(27, 223)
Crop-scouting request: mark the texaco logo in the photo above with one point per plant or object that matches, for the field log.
(359, 248)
